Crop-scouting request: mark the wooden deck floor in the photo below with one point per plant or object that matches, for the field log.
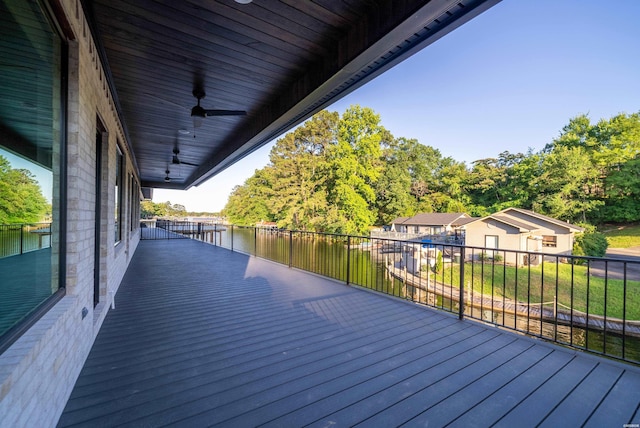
(201, 336)
(25, 282)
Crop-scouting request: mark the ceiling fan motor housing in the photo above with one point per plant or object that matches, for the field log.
(198, 111)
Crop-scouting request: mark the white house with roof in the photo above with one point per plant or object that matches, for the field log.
(430, 223)
(397, 225)
(518, 229)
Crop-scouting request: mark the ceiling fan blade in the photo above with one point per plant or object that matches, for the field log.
(177, 161)
(225, 112)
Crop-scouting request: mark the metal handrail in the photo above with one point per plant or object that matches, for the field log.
(20, 238)
(511, 289)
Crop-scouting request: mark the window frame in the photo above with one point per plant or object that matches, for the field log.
(549, 241)
(119, 190)
(54, 18)
(491, 251)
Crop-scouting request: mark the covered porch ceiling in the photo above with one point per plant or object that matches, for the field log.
(280, 61)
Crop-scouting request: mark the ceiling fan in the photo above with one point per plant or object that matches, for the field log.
(198, 113)
(176, 160)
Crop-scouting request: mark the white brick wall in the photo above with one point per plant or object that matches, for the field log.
(37, 372)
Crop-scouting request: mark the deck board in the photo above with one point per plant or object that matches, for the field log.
(467, 397)
(543, 400)
(201, 336)
(576, 407)
(25, 282)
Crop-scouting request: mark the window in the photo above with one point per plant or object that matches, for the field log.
(132, 187)
(118, 194)
(550, 241)
(491, 241)
(31, 172)
(134, 204)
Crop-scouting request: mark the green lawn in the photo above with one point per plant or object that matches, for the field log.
(542, 283)
(622, 236)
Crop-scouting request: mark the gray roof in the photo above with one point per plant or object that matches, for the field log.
(507, 216)
(435, 219)
(464, 220)
(545, 218)
(519, 224)
(400, 220)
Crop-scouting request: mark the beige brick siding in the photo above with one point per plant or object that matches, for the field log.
(37, 373)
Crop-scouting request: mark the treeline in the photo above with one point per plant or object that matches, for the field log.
(21, 197)
(150, 209)
(345, 174)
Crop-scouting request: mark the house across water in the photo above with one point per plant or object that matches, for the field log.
(521, 230)
(512, 229)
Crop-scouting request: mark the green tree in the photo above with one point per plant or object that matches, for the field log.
(177, 210)
(617, 141)
(393, 194)
(612, 146)
(449, 193)
(297, 183)
(506, 181)
(344, 174)
(21, 198)
(148, 209)
(567, 174)
(353, 168)
(404, 178)
(618, 159)
(622, 187)
(247, 204)
(522, 188)
(590, 243)
(486, 182)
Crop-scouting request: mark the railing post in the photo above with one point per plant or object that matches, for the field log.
(255, 241)
(232, 238)
(290, 248)
(215, 234)
(348, 257)
(461, 299)
(21, 239)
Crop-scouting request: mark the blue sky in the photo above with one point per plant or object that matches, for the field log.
(508, 80)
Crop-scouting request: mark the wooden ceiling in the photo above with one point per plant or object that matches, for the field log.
(281, 61)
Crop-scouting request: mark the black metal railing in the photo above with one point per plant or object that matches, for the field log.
(584, 302)
(27, 278)
(21, 238)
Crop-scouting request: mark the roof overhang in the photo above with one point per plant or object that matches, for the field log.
(280, 61)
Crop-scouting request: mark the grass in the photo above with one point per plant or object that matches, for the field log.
(572, 285)
(622, 236)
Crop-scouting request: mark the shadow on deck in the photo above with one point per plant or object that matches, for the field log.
(201, 336)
